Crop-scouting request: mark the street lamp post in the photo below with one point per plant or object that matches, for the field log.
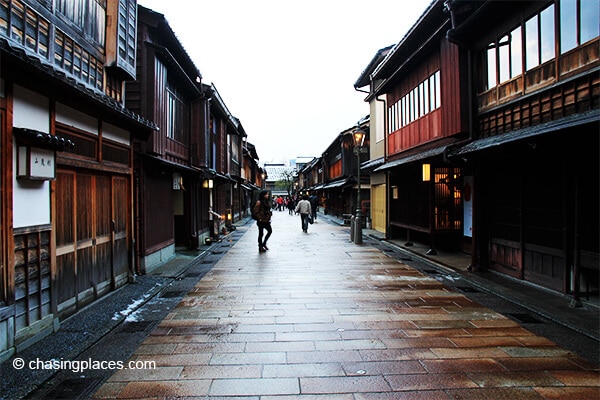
(359, 139)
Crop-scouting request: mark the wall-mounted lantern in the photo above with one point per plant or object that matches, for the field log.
(207, 184)
(36, 153)
(426, 172)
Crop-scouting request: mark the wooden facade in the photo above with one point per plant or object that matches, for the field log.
(422, 80)
(340, 174)
(195, 160)
(542, 115)
(512, 145)
(66, 236)
(168, 166)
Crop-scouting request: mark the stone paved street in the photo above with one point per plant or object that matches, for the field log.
(319, 317)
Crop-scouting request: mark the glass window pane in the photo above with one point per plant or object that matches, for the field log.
(426, 96)
(547, 33)
(421, 100)
(406, 110)
(432, 91)
(4, 6)
(504, 59)
(590, 15)
(532, 54)
(568, 25)
(415, 104)
(438, 90)
(491, 67)
(516, 52)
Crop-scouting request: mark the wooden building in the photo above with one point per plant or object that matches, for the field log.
(251, 177)
(310, 176)
(224, 160)
(377, 146)
(67, 160)
(340, 169)
(169, 198)
(533, 157)
(427, 111)
(492, 137)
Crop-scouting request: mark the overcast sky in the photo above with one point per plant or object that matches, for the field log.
(286, 69)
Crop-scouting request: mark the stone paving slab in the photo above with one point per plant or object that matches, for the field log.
(318, 317)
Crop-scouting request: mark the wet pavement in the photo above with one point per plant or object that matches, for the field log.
(320, 317)
(317, 317)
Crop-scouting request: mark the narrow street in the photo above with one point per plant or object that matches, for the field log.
(319, 316)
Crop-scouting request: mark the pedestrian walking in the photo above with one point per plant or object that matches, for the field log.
(290, 205)
(262, 213)
(303, 208)
(314, 204)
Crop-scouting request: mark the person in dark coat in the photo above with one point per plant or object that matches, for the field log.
(314, 204)
(262, 212)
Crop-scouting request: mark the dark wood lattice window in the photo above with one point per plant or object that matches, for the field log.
(76, 61)
(85, 146)
(127, 35)
(24, 26)
(448, 199)
(115, 154)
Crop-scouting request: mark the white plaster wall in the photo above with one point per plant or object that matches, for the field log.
(71, 117)
(116, 134)
(31, 199)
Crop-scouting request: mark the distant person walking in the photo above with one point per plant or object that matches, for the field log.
(314, 204)
(303, 208)
(262, 213)
(290, 205)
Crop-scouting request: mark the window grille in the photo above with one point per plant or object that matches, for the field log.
(448, 199)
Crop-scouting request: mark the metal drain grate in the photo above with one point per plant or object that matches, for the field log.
(526, 318)
(77, 388)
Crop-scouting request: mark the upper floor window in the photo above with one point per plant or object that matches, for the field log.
(176, 115)
(533, 43)
(211, 142)
(418, 102)
(73, 59)
(24, 26)
(578, 23)
(87, 15)
(234, 144)
(539, 38)
(126, 41)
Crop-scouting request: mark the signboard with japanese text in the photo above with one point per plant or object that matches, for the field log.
(36, 164)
